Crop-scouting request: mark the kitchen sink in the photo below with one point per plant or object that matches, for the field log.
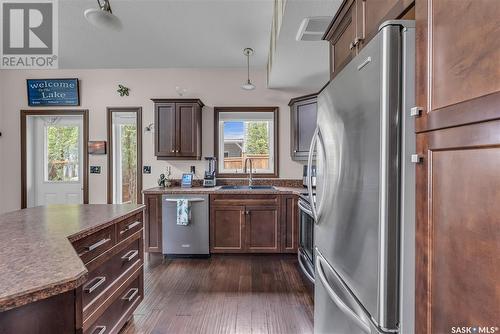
(247, 188)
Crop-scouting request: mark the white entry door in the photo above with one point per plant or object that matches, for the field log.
(56, 160)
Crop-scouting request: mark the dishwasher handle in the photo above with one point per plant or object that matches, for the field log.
(188, 199)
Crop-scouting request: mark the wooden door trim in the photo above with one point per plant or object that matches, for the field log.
(63, 112)
(109, 114)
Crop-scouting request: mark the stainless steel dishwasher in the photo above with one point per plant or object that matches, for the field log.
(191, 239)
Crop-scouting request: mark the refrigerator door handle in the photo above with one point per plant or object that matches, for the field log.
(300, 257)
(309, 174)
(357, 318)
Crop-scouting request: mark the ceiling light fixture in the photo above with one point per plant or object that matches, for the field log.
(103, 17)
(248, 85)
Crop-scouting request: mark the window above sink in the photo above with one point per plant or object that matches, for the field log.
(246, 133)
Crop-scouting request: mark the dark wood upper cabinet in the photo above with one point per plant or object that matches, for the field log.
(165, 130)
(341, 34)
(178, 128)
(457, 225)
(355, 24)
(458, 62)
(302, 125)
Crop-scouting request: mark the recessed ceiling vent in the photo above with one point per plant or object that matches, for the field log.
(313, 28)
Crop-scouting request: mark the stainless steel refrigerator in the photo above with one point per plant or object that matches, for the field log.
(364, 232)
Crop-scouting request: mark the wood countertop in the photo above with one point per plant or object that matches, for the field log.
(37, 259)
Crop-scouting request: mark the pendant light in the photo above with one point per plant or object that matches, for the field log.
(103, 17)
(248, 85)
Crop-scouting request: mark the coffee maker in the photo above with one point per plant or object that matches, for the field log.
(209, 178)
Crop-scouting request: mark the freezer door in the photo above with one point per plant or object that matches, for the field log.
(358, 176)
(336, 309)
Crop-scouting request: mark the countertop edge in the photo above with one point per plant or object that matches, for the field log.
(44, 292)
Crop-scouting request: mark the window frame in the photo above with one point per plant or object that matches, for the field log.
(275, 138)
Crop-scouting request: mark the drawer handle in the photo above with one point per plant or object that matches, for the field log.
(97, 244)
(129, 296)
(130, 226)
(94, 284)
(99, 330)
(130, 255)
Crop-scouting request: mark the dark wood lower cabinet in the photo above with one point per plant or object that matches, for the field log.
(458, 228)
(57, 314)
(253, 223)
(289, 224)
(262, 225)
(227, 229)
(265, 223)
(153, 225)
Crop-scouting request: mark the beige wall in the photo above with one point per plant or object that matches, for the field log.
(215, 87)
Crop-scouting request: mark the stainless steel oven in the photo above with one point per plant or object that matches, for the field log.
(306, 238)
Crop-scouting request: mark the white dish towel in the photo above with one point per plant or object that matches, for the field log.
(183, 212)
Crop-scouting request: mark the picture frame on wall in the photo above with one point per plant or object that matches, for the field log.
(53, 92)
(97, 147)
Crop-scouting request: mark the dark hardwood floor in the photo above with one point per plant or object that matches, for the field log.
(223, 294)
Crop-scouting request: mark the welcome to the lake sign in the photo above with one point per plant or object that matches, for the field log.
(53, 92)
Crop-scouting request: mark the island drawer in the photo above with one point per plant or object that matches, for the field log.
(121, 307)
(101, 278)
(90, 247)
(129, 226)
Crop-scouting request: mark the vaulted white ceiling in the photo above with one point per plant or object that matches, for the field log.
(166, 33)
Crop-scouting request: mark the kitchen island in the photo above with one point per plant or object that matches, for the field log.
(63, 268)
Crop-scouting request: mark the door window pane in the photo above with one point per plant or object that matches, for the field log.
(125, 157)
(128, 163)
(62, 154)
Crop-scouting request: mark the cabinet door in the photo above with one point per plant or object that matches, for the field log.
(153, 224)
(289, 223)
(188, 126)
(458, 228)
(262, 229)
(342, 37)
(227, 229)
(372, 13)
(165, 130)
(303, 126)
(458, 62)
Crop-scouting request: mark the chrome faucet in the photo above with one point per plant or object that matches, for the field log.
(250, 178)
